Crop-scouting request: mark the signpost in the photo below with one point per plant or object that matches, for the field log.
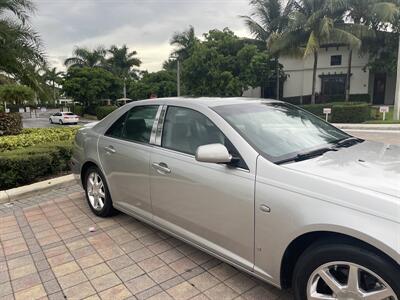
(384, 110)
(327, 112)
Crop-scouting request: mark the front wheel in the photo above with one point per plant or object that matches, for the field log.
(51, 121)
(60, 122)
(97, 193)
(345, 271)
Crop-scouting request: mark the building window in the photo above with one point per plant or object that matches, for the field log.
(336, 60)
(333, 85)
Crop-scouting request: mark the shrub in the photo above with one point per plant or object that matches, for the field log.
(10, 123)
(35, 136)
(342, 112)
(78, 110)
(24, 166)
(103, 111)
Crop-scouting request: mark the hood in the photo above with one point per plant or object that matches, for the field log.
(369, 165)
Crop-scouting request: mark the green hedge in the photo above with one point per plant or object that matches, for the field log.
(103, 111)
(36, 136)
(350, 112)
(24, 166)
(10, 123)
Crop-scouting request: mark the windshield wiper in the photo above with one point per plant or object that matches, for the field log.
(307, 155)
(347, 142)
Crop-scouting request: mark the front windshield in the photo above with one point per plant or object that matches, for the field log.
(279, 131)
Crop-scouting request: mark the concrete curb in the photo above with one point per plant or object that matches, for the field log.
(36, 188)
(387, 127)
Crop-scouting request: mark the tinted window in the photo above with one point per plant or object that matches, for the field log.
(116, 129)
(139, 122)
(185, 129)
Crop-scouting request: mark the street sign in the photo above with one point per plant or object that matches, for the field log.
(327, 111)
(384, 110)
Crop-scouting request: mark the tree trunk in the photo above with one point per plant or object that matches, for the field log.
(277, 79)
(314, 78)
(348, 76)
(54, 91)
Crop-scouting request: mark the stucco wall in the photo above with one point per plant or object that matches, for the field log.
(299, 71)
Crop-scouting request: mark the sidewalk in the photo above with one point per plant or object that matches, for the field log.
(395, 127)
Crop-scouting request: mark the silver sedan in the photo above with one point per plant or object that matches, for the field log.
(261, 184)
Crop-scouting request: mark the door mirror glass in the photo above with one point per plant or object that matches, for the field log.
(213, 153)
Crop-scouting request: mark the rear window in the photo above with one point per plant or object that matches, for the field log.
(69, 114)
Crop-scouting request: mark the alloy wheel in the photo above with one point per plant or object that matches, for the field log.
(95, 191)
(345, 280)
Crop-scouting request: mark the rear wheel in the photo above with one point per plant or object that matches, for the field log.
(334, 271)
(61, 122)
(97, 193)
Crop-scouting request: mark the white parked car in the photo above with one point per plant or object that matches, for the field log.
(64, 118)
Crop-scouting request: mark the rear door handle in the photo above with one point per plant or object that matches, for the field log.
(110, 149)
(161, 168)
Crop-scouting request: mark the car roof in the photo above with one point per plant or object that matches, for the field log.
(203, 101)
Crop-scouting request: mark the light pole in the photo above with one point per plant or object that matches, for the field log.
(396, 112)
(178, 77)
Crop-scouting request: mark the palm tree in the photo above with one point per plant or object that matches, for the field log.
(122, 63)
(185, 42)
(20, 45)
(53, 76)
(269, 19)
(368, 16)
(84, 57)
(312, 24)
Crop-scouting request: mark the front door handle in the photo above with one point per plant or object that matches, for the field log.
(161, 168)
(110, 149)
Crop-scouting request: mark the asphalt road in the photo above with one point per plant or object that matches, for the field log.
(44, 123)
(384, 136)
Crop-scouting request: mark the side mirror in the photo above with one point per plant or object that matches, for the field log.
(213, 153)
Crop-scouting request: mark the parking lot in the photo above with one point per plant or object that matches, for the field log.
(48, 252)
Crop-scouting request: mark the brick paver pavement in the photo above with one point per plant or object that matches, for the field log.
(48, 252)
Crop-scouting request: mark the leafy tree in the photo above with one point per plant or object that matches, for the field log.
(269, 19)
(20, 45)
(161, 83)
(314, 23)
(16, 94)
(122, 63)
(83, 57)
(221, 66)
(89, 85)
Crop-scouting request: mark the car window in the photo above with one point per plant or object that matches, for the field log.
(69, 114)
(185, 130)
(116, 128)
(139, 123)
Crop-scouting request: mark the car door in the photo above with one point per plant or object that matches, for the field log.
(209, 204)
(124, 153)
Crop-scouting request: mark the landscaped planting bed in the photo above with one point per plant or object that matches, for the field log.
(34, 155)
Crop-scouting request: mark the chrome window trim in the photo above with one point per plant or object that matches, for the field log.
(153, 135)
(160, 125)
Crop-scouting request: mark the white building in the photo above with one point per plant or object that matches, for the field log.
(331, 79)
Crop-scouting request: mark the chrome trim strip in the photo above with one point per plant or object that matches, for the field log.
(155, 125)
(160, 126)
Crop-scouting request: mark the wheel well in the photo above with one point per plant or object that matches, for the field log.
(301, 243)
(85, 166)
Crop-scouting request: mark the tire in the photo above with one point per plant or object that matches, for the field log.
(51, 121)
(102, 211)
(325, 255)
(60, 122)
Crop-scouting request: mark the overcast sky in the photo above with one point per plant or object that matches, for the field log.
(144, 25)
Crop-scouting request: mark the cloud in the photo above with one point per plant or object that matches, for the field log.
(144, 25)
